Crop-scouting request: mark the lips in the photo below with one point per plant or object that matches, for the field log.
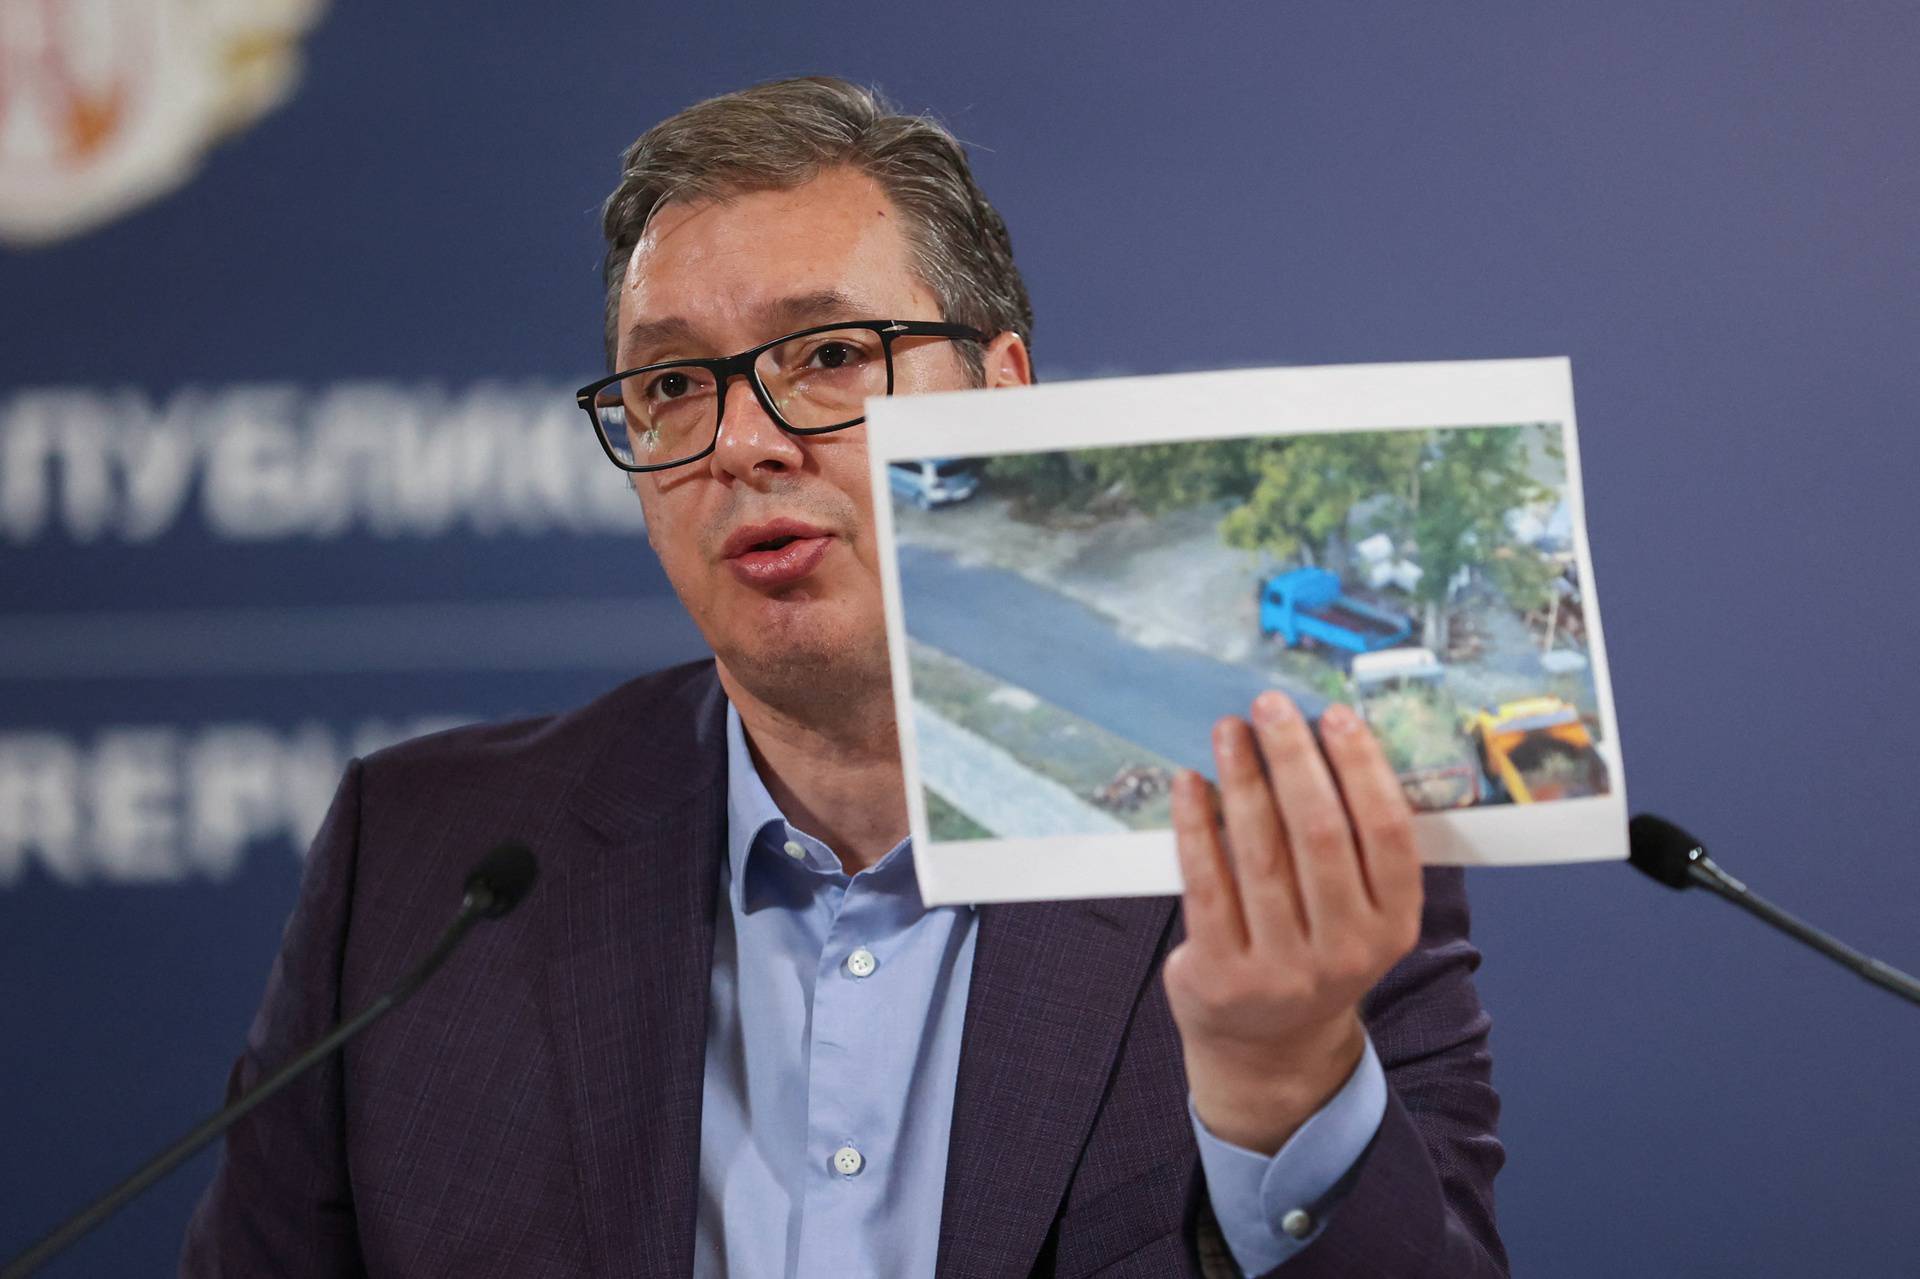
(775, 553)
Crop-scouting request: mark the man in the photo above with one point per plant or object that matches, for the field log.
(723, 1037)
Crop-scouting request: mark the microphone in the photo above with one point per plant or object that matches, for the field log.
(494, 887)
(1678, 860)
(501, 879)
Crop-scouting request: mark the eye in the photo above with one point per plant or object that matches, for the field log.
(834, 355)
(669, 386)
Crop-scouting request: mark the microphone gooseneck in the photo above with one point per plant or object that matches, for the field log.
(493, 888)
(1669, 854)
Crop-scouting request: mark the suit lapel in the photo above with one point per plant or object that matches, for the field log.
(628, 973)
(1054, 988)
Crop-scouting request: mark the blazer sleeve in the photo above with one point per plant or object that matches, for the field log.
(1419, 1202)
(280, 1203)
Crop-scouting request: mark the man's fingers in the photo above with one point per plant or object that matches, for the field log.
(1257, 839)
(1211, 903)
(1326, 861)
(1382, 820)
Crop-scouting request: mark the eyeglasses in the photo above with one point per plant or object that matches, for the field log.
(809, 383)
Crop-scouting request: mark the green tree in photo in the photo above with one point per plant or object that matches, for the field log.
(1165, 477)
(1307, 486)
(1150, 478)
(1468, 479)
(1443, 496)
(1525, 577)
(1042, 482)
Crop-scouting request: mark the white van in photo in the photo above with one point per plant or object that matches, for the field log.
(934, 481)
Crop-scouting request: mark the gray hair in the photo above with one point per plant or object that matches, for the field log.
(778, 135)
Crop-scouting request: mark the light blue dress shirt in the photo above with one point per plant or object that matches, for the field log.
(833, 1046)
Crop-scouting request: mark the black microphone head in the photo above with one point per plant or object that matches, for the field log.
(1663, 850)
(502, 878)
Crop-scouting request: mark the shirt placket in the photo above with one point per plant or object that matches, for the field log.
(849, 1135)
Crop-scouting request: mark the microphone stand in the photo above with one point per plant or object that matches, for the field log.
(1703, 871)
(485, 898)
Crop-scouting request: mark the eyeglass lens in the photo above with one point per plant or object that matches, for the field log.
(672, 412)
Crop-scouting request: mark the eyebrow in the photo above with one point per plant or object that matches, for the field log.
(818, 307)
(646, 335)
(782, 315)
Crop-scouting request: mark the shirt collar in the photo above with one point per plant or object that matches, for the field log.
(750, 809)
(759, 837)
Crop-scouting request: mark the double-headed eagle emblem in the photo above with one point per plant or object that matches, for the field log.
(107, 104)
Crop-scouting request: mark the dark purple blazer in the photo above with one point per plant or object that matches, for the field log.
(535, 1110)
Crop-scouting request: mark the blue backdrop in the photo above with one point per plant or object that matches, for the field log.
(240, 543)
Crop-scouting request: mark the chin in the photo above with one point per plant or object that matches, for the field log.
(807, 647)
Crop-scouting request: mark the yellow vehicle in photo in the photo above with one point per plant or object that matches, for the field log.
(1538, 748)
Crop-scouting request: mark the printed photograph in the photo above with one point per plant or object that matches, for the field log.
(1077, 620)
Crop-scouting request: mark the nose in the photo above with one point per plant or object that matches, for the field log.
(751, 446)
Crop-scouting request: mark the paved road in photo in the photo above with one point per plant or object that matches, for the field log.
(1166, 699)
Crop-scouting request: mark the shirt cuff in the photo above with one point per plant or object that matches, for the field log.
(1271, 1208)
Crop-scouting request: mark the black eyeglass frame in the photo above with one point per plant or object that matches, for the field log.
(725, 368)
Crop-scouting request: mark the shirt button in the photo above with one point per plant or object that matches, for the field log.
(861, 963)
(847, 1161)
(796, 850)
(1298, 1223)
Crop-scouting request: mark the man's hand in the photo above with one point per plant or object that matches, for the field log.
(1292, 917)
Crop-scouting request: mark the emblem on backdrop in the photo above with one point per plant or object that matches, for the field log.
(108, 104)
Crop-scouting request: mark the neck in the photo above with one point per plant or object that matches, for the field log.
(832, 766)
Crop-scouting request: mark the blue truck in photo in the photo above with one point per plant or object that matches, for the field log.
(1304, 606)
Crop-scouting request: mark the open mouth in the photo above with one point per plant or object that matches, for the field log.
(769, 537)
(780, 559)
(776, 552)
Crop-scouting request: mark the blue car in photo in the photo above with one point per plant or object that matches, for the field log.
(934, 481)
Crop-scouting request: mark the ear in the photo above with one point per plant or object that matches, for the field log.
(1006, 362)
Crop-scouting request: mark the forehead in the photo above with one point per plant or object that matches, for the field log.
(723, 271)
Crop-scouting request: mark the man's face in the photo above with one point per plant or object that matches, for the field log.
(710, 278)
